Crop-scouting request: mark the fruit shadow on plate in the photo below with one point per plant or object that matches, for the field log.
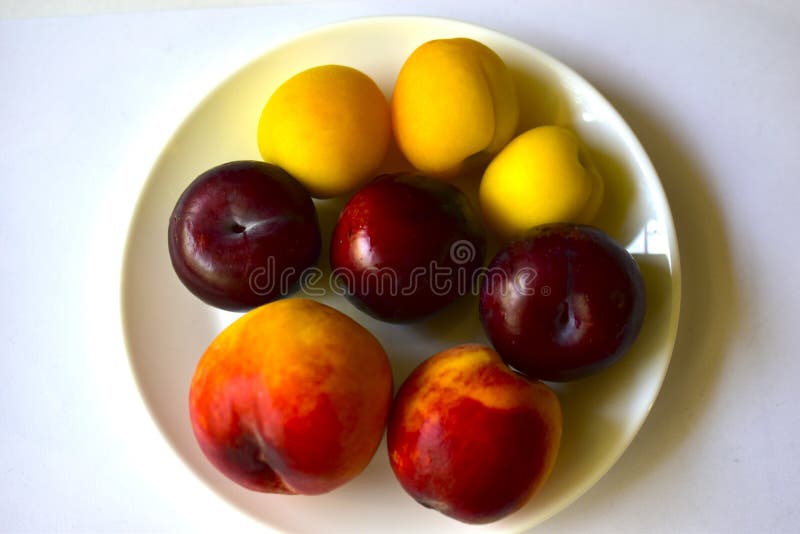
(602, 412)
(544, 101)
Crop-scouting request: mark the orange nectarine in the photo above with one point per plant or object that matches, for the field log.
(291, 398)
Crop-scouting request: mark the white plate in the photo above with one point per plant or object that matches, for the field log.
(167, 329)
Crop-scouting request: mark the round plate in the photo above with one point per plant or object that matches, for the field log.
(167, 329)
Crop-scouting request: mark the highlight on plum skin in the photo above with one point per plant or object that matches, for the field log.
(241, 235)
(579, 308)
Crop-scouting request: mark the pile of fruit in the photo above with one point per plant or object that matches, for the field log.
(294, 396)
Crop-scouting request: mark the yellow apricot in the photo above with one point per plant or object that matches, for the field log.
(453, 98)
(542, 176)
(329, 127)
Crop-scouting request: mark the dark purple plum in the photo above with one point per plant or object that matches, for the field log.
(405, 246)
(563, 302)
(242, 233)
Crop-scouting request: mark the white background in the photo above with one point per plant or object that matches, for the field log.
(87, 101)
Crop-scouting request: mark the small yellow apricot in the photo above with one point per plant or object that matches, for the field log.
(454, 98)
(542, 176)
(329, 127)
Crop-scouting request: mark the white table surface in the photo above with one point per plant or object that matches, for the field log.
(86, 103)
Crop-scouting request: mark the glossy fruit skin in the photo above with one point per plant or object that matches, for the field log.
(242, 233)
(394, 235)
(471, 438)
(291, 398)
(564, 302)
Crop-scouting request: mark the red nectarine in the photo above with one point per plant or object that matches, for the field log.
(471, 438)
